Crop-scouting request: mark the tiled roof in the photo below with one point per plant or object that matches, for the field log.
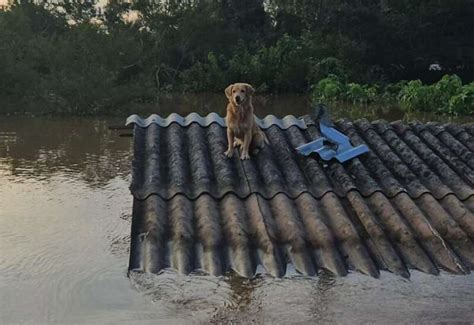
(408, 203)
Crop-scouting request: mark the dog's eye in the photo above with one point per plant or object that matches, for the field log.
(233, 91)
(243, 90)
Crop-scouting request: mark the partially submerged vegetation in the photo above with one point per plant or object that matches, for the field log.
(447, 96)
(76, 58)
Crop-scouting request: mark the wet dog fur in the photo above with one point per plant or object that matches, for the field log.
(242, 130)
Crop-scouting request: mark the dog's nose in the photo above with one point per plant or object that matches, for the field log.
(237, 98)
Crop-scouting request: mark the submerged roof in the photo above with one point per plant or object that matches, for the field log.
(408, 203)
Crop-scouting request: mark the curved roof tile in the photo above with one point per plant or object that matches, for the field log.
(407, 204)
(212, 118)
(187, 158)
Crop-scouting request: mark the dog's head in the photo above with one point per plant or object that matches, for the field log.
(239, 93)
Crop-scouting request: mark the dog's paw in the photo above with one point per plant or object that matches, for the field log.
(244, 156)
(229, 153)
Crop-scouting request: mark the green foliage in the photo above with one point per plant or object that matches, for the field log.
(283, 67)
(72, 58)
(416, 96)
(447, 96)
(463, 101)
(328, 89)
(333, 89)
(49, 66)
(356, 93)
(329, 66)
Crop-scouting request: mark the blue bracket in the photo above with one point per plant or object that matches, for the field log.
(333, 144)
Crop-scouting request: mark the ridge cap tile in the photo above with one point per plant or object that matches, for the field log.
(211, 118)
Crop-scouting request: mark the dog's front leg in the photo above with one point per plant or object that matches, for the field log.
(230, 139)
(245, 147)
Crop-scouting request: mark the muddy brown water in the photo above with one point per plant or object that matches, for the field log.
(65, 213)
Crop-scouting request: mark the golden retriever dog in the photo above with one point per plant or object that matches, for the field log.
(242, 130)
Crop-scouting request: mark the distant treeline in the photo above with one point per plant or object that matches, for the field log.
(75, 57)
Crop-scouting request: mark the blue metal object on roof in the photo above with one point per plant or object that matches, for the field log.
(333, 144)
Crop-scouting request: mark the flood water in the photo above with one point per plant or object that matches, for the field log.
(65, 214)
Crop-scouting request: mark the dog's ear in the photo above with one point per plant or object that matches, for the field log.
(228, 91)
(250, 89)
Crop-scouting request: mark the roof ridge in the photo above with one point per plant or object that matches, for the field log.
(269, 120)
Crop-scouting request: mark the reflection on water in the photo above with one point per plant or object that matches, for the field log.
(38, 148)
(64, 222)
(65, 212)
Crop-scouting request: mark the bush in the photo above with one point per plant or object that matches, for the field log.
(332, 89)
(392, 90)
(282, 67)
(416, 96)
(329, 66)
(463, 102)
(361, 94)
(447, 96)
(328, 89)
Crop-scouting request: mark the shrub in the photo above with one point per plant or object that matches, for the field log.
(447, 96)
(208, 76)
(328, 89)
(416, 96)
(463, 102)
(392, 90)
(361, 94)
(281, 67)
(333, 89)
(329, 66)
